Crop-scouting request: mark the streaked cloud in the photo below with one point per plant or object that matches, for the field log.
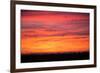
(54, 28)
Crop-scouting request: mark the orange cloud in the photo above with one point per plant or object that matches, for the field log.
(55, 44)
(54, 32)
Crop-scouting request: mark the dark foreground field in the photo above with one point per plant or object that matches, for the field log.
(54, 57)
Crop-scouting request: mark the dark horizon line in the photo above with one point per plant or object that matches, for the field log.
(56, 53)
(54, 57)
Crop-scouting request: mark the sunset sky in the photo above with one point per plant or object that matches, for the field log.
(54, 32)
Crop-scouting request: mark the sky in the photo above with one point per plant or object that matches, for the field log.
(54, 32)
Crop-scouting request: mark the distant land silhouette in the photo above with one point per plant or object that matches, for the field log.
(54, 57)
